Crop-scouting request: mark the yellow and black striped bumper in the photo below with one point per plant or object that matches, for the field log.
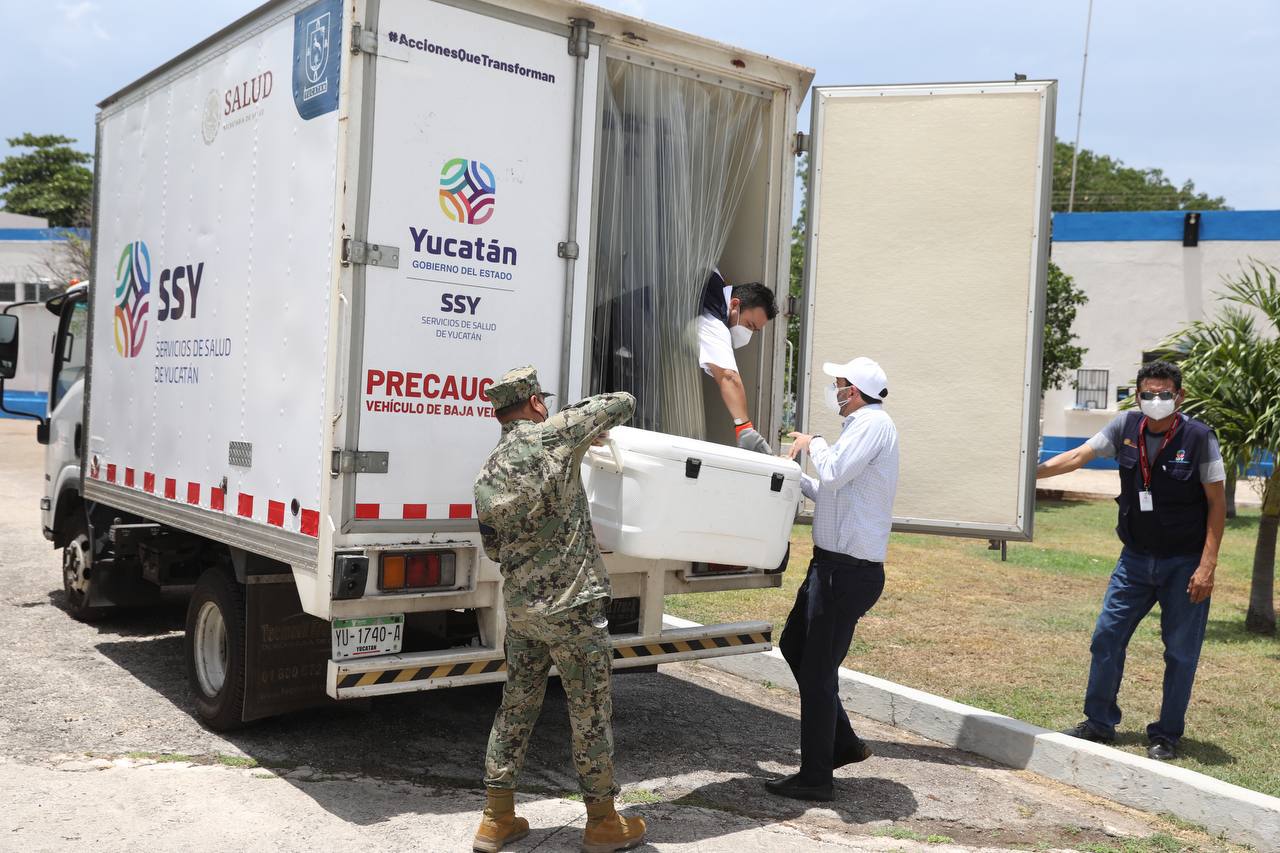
(435, 670)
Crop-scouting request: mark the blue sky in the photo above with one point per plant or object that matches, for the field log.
(1188, 87)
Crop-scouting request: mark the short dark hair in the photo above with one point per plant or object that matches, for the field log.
(1160, 370)
(755, 295)
(867, 398)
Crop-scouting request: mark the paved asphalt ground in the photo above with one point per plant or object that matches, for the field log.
(99, 749)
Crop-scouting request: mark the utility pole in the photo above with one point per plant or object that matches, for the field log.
(1075, 152)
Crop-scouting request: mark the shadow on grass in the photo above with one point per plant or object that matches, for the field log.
(1230, 631)
(1204, 752)
(1244, 522)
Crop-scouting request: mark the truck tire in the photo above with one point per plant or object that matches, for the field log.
(215, 649)
(77, 570)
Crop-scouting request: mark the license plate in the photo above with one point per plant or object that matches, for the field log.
(367, 637)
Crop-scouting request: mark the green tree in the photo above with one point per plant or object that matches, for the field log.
(1061, 356)
(1104, 183)
(50, 180)
(1229, 372)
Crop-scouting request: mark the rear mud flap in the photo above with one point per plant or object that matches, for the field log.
(286, 652)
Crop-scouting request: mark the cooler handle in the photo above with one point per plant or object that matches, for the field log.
(611, 463)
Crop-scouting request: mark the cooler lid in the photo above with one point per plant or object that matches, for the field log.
(679, 449)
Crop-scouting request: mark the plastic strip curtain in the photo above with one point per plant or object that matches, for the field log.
(676, 154)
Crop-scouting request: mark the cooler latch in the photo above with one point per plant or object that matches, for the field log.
(775, 482)
(692, 468)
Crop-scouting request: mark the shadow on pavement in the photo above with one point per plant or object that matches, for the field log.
(669, 732)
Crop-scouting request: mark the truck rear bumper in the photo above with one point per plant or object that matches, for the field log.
(407, 673)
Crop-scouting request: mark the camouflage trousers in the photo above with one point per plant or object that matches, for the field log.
(577, 642)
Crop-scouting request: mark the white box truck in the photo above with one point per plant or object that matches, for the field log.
(323, 232)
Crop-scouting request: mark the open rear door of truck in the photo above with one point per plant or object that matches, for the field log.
(468, 158)
(927, 251)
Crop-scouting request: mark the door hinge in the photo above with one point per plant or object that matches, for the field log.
(793, 305)
(360, 462)
(363, 41)
(579, 44)
(568, 250)
(371, 254)
(802, 143)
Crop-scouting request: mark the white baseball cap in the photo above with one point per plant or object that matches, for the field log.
(864, 373)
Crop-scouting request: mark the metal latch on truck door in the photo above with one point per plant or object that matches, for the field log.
(371, 254)
(360, 462)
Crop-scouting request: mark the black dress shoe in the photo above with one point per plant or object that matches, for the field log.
(1086, 731)
(858, 752)
(1161, 750)
(789, 787)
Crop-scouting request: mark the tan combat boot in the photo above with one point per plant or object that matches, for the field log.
(608, 831)
(499, 824)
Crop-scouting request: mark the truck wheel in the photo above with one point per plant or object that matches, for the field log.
(77, 570)
(215, 649)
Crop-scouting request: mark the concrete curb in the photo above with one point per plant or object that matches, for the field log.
(1244, 816)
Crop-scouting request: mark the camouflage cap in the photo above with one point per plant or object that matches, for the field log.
(515, 386)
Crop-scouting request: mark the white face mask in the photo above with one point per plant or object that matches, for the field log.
(1157, 409)
(834, 403)
(740, 336)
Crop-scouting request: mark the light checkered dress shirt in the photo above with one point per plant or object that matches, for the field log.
(857, 479)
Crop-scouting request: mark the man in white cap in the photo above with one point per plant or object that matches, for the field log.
(854, 491)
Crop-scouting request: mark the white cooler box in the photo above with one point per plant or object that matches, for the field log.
(663, 497)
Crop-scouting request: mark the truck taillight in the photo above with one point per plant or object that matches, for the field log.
(417, 571)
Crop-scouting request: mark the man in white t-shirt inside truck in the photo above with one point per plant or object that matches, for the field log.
(728, 318)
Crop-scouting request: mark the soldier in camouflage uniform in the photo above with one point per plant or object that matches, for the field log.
(536, 524)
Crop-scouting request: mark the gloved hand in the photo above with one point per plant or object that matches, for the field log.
(750, 439)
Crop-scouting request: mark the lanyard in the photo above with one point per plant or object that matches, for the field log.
(1142, 449)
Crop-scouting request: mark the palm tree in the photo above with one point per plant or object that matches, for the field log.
(1231, 374)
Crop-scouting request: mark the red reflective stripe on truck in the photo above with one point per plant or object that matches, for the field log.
(415, 511)
(149, 483)
(244, 505)
(310, 522)
(128, 477)
(367, 511)
(193, 493)
(217, 499)
(459, 510)
(170, 488)
(111, 472)
(275, 513)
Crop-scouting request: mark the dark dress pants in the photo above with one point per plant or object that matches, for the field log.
(836, 593)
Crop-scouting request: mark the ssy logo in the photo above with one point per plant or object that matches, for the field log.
(317, 47)
(467, 191)
(133, 284)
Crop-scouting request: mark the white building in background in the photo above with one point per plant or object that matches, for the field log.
(30, 254)
(1146, 274)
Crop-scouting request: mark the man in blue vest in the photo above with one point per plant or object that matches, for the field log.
(1172, 513)
(729, 316)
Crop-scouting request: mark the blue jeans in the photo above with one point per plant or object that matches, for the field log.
(835, 594)
(1138, 582)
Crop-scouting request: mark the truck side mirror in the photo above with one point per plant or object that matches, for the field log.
(8, 346)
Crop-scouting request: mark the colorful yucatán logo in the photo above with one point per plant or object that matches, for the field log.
(133, 284)
(467, 191)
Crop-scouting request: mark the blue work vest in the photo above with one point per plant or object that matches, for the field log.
(1179, 523)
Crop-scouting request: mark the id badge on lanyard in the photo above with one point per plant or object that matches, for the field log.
(1145, 502)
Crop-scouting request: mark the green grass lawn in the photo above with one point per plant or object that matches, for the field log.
(1013, 637)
